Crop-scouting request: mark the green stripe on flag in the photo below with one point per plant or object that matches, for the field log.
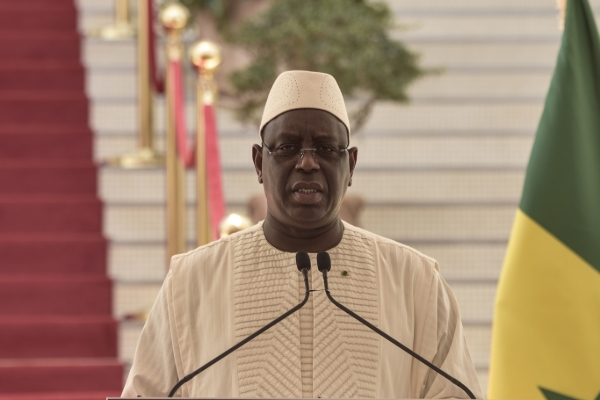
(562, 187)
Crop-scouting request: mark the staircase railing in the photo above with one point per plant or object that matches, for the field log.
(179, 156)
(210, 208)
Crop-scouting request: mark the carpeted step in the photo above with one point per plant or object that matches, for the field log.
(22, 16)
(32, 5)
(42, 376)
(44, 146)
(58, 339)
(62, 395)
(47, 214)
(73, 295)
(46, 75)
(57, 336)
(43, 107)
(45, 141)
(49, 177)
(39, 45)
(33, 128)
(100, 395)
(76, 253)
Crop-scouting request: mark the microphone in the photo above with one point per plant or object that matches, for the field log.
(303, 264)
(324, 265)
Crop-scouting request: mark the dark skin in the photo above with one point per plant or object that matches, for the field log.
(304, 195)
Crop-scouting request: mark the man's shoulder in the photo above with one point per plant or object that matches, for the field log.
(389, 248)
(215, 249)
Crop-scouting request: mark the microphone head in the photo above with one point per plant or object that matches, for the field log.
(302, 260)
(323, 261)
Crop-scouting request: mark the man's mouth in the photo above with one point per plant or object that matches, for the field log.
(307, 187)
(307, 190)
(307, 193)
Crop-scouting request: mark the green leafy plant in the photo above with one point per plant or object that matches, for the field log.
(218, 8)
(349, 39)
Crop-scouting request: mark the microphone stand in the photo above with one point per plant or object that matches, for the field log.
(246, 340)
(388, 337)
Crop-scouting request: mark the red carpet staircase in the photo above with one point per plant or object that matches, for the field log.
(58, 339)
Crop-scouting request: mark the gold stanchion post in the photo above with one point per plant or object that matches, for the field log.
(233, 223)
(206, 56)
(122, 27)
(174, 18)
(146, 156)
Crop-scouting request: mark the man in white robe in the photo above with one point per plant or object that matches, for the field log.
(220, 293)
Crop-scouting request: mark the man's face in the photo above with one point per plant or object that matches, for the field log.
(304, 192)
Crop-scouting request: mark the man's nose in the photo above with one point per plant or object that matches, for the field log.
(307, 161)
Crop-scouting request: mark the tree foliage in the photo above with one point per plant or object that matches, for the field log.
(218, 8)
(348, 39)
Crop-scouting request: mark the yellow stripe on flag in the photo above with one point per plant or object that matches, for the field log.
(546, 325)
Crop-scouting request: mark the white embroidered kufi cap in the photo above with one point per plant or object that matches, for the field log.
(305, 89)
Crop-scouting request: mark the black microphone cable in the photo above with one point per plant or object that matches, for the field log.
(303, 264)
(324, 265)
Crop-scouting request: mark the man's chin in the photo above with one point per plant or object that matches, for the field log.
(311, 219)
(307, 198)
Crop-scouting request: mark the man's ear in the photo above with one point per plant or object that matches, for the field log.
(257, 159)
(352, 157)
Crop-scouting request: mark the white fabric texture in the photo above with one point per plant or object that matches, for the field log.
(304, 89)
(220, 293)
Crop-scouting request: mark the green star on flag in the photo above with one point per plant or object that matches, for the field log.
(550, 395)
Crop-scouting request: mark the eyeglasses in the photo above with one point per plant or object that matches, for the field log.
(324, 152)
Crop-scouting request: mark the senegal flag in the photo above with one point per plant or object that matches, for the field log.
(546, 336)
